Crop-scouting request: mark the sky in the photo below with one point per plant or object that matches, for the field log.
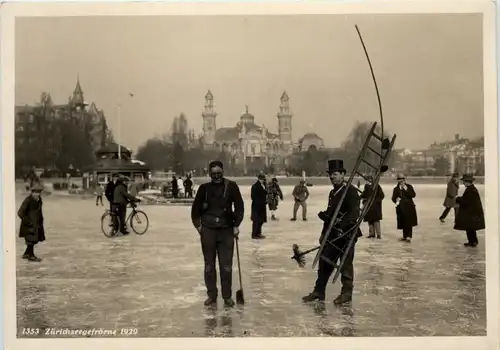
(428, 68)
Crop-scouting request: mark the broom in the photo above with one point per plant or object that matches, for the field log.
(239, 293)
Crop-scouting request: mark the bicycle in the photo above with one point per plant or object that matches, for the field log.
(134, 219)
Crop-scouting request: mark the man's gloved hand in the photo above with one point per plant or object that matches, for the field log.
(236, 231)
(199, 229)
(323, 216)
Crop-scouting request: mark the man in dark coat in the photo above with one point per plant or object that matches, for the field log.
(31, 215)
(274, 195)
(258, 194)
(348, 215)
(175, 187)
(188, 187)
(450, 198)
(470, 214)
(406, 213)
(374, 214)
(218, 224)
(121, 198)
(110, 190)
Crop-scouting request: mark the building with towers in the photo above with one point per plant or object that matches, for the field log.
(40, 121)
(250, 145)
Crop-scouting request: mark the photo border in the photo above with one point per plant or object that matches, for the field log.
(9, 11)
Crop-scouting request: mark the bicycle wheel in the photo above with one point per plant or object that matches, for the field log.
(107, 225)
(139, 222)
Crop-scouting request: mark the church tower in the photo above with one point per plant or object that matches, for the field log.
(77, 100)
(209, 115)
(285, 121)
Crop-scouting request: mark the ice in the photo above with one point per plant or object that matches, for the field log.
(154, 282)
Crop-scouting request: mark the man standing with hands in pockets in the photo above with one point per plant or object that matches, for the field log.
(217, 223)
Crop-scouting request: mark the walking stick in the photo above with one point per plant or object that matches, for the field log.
(239, 293)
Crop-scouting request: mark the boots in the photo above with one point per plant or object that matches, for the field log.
(313, 296)
(229, 302)
(210, 301)
(342, 299)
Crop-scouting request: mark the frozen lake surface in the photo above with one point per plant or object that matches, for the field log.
(433, 286)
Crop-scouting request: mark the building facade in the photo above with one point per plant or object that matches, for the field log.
(252, 146)
(37, 126)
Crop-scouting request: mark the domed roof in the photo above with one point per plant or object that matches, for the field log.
(247, 115)
(311, 135)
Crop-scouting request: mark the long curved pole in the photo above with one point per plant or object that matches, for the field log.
(381, 113)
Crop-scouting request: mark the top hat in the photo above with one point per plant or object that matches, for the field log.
(400, 177)
(336, 165)
(37, 188)
(467, 178)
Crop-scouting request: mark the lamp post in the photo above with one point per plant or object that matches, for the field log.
(119, 114)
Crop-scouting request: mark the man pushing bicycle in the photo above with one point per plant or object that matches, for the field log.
(121, 198)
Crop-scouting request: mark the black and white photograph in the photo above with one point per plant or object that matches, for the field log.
(320, 174)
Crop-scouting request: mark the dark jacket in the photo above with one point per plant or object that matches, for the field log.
(188, 184)
(451, 193)
(406, 212)
(349, 210)
(121, 195)
(258, 195)
(470, 215)
(274, 195)
(31, 215)
(374, 213)
(213, 205)
(109, 191)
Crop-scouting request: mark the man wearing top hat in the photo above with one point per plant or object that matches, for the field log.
(258, 194)
(470, 214)
(218, 224)
(346, 220)
(451, 195)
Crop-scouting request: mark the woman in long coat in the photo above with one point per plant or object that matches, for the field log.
(31, 216)
(274, 195)
(258, 195)
(374, 214)
(406, 213)
(470, 214)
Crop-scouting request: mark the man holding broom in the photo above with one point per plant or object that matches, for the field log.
(217, 223)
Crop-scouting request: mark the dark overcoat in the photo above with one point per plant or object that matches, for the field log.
(258, 195)
(31, 215)
(470, 215)
(274, 195)
(406, 212)
(349, 212)
(374, 213)
(451, 193)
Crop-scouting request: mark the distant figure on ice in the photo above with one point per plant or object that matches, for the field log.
(300, 195)
(31, 215)
(175, 187)
(470, 214)
(374, 214)
(188, 187)
(350, 211)
(133, 188)
(258, 194)
(218, 224)
(274, 195)
(450, 198)
(406, 213)
(110, 190)
(99, 191)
